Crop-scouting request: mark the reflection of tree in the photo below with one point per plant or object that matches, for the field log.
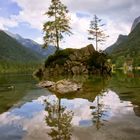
(59, 120)
(97, 113)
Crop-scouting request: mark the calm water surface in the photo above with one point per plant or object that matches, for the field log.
(106, 109)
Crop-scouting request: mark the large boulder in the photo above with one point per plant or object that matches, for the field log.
(88, 50)
(65, 86)
(62, 86)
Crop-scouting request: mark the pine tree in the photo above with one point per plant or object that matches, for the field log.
(58, 25)
(95, 31)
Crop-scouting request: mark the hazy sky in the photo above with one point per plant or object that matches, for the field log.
(26, 18)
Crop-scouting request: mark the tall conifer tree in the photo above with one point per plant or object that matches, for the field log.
(58, 25)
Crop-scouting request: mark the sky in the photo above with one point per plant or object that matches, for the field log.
(26, 17)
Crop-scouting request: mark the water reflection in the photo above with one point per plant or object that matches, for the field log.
(98, 112)
(106, 106)
(127, 86)
(93, 89)
(83, 112)
(59, 119)
(64, 116)
(13, 88)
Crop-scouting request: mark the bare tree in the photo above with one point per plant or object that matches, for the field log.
(96, 32)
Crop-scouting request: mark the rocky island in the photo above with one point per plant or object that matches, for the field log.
(75, 62)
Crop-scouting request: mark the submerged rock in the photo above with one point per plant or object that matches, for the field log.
(62, 86)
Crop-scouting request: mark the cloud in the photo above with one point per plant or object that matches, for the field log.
(39, 40)
(113, 29)
(7, 22)
(103, 7)
(118, 16)
(32, 12)
(79, 37)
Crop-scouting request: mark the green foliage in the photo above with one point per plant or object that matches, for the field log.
(11, 50)
(120, 61)
(58, 25)
(59, 57)
(97, 60)
(16, 58)
(17, 67)
(129, 47)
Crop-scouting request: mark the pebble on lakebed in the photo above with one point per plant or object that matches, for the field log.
(62, 86)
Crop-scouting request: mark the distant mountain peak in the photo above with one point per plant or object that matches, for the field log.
(135, 23)
(28, 43)
(16, 36)
(12, 50)
(120, 39)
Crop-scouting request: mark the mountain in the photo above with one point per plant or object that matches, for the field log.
(127, 47)
(135, 23)
(33, 45)
(16, 58)
(120, 39)
(12, 50)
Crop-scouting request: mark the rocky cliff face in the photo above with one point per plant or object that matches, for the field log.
(135, 23)
(120, 39)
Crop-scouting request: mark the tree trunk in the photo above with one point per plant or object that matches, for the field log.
(57, 40)
(96, 42)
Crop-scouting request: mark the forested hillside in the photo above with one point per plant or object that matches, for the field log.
(14, 56)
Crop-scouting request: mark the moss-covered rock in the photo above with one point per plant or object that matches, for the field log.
(76, 61)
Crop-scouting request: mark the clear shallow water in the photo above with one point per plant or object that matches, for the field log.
(106, 109)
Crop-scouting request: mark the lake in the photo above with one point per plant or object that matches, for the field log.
(108, 108)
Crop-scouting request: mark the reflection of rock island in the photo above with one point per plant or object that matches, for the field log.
(126, 87)
(88, 87)
(92, 89)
